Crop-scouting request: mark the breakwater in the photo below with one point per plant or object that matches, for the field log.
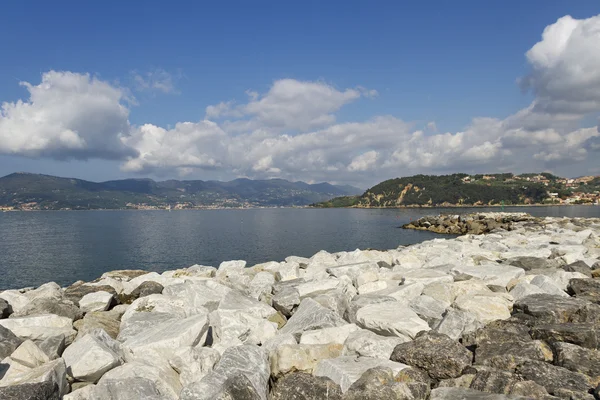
(513, 313)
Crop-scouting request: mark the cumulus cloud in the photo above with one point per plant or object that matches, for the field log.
(67, 115)
(291, 129)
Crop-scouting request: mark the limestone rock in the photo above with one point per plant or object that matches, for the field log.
(234, 300)
(344, 371)
(391, 319)
(378, 383)
(193, 363)
(8, 342)
(455, 323)
(249, 361)
(336, 335)
(53, 372)
(286, 300)
(491, 274)
(40, 327)
(368, 344)
(486, 307)
(158, 376)
(436, 353)
(53, 346)
(228, 325)
(311, 315)
(548, 286)
(553, 378)
(577, 359)
(302, 386)
(98, 320)
(29, 355)
(582, 334)
(548, 308)
(363, 300)
(163, 339)
(43, 305)
(524, 289)
(428, 309)
(301, 357)
(468, 394)
(46, 390)
(76, 292)
(88, 358)
(96, 301)
(4, 309)
(127, 388)
(81, 393)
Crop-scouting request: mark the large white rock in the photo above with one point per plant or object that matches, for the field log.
(88, 358)
(29, 355)
(84, 393)
(346, 370)
(287, 271)
(40, 327)
(392, 318)
(374, 287)
(50, 290)
(193, 363)
(368, 344)
(353, 270)
(547, 285)
(198, 294)
(261, 285)
(485, 307)
(95, 301)
(404, 292)
(311, 315)
(248, 361)
(228, 269)
(234, 300)
(17, 300)
(428, 309)
(301, 357)
(228, 325)
(162, 340)
(271, 345)
(336, 335)
(158, 377)
(523, 289)
(490, 273)
(316, 287)
(425, 276)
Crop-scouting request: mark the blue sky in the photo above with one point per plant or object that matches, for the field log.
(435, 61)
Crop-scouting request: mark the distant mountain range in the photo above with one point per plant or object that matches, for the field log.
(44, 192)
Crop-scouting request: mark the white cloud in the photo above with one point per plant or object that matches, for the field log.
(291, 131)
(155, 80)
(68, 115)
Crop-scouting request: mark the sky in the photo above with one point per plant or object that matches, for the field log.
(350, 92)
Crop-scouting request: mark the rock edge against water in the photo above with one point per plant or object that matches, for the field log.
(513, 314)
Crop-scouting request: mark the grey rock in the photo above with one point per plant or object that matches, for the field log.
(417, 380)
(577, 359)
(435, 353)
(45, 305)
(237, 387)
(4, 309)
(587, 289)
(578, 266)
(573, 395)
(88, 358)
(586, 335)
(532, 350)
(250, 361)
(548, 308)
(378, 383)
(8, 342)
(468, 394)
(301, 386)
(336, 300)
(286, 300)
(53, 372)
(553, 378)
(53, 346)
(533, 263)
(311, 315)
(530, 389)
(428, 309)
(463, 381)
(455, 323)
(31, 391)
(145, 288)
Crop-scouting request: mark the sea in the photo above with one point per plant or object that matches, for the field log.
(66, 246)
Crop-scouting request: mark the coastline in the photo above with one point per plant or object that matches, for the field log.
(428, 317)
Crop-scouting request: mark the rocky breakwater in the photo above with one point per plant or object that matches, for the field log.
(477, 224)
(508, 315)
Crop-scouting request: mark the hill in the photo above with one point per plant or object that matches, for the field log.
(463, 189)
(44, 192)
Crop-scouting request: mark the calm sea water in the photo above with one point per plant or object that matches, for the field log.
(65, 246)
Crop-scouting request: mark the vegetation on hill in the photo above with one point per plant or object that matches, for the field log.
(34, 191)
(463, 189)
